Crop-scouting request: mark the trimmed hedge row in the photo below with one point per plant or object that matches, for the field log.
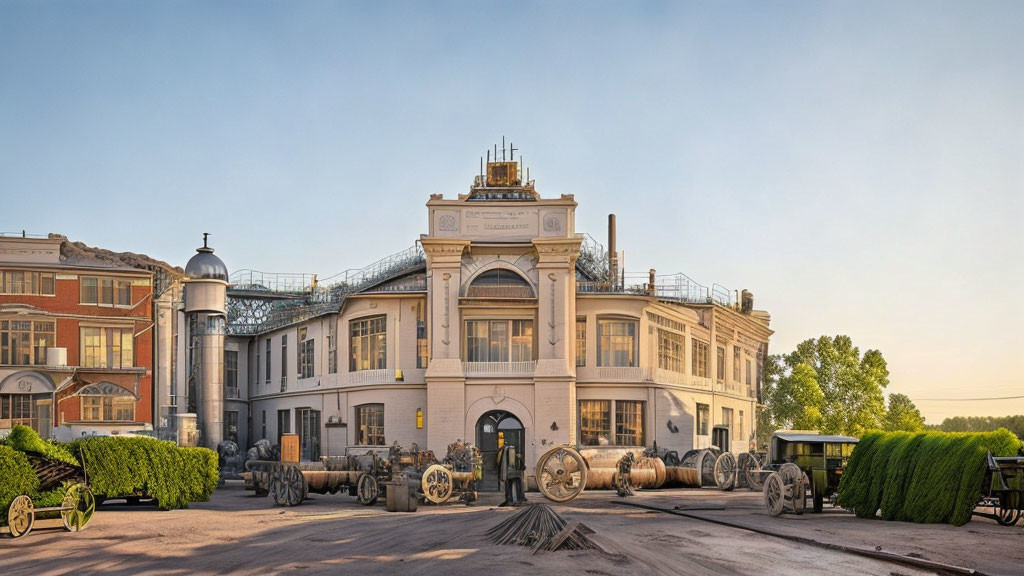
(175, 476)
(16, 477)
(25, 439)
(928, 477)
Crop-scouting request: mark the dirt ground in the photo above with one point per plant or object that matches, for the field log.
(237, 533)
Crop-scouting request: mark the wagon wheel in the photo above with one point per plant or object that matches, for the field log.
(561, 474)
(752, 473)
(725, 471)
(21, 515)
(795, 480)
(774, 494)
(288, 486)
(1007, 516)
(367, 490)
(79, 505)
(437, 483)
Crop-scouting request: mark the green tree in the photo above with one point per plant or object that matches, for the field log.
(825, 384)
(902, 415)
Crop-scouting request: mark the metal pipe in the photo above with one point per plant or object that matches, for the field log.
(612, 254)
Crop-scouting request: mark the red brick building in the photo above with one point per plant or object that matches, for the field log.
(75, 342)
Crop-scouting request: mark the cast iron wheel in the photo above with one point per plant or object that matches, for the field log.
(79, 505)
(561, 474)
(725, 471)
(288, 486)
(367, 490)
(437, 483)
(774, 494)
(21, 515)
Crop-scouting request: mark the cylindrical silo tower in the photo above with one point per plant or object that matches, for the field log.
(206, 286)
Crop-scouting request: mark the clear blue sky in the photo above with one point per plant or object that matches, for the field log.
(857, 165)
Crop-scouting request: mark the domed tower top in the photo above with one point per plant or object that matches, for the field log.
(205, 266)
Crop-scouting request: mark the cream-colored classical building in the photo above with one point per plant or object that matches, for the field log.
(502, 325)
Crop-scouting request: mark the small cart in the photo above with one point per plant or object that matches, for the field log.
(1003, 489)
(76, 508)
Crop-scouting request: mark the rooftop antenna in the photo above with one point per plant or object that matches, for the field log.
(205, 234)
(495, 152)
(512, 151)
(502, 148)
(481, 168)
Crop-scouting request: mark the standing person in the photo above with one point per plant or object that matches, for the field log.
(510, 472)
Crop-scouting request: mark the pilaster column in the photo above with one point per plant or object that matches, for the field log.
(446, 383)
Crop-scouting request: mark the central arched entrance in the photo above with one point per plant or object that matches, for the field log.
(494, 430)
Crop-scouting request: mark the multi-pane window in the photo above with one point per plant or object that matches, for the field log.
(736, 363)
(308, 421)
(581, 342)
(332, 346)
(231, 425)
(499, 340)
(23, 282)
(107, 348)
(739, 428)
(106, 291)
(284, 362)
(371, 424)
(595, 422)
(24, 342)
(699, 357)
(266, 372)
(720, 374)
(306, 355)
(629, 423)
(284, 424)
(421, 336)
(727, 418)
(670, 351)
(749, 372)
(19, 409)
(499, 283)
(231, 373)
(616, 343)
(703, 415)
(369, 343)
(106, 402)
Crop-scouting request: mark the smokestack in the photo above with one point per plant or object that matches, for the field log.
(613, 256)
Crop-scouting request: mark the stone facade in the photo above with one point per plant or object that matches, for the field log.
(482, 345)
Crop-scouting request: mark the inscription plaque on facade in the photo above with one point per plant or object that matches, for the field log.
(500, 223)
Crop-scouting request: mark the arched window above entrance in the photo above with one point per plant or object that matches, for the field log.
(499, 283)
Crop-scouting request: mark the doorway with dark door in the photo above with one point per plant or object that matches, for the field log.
(494, 430)
(720, 438)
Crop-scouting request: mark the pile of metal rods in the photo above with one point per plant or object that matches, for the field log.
(541, 528)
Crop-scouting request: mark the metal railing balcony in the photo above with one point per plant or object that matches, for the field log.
(499, 368)
(381, 376)
(681, 379)
(232, 392)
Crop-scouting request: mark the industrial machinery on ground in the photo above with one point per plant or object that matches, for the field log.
(563, 472)
(76, 508)
(361, 475)
(457, 475)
